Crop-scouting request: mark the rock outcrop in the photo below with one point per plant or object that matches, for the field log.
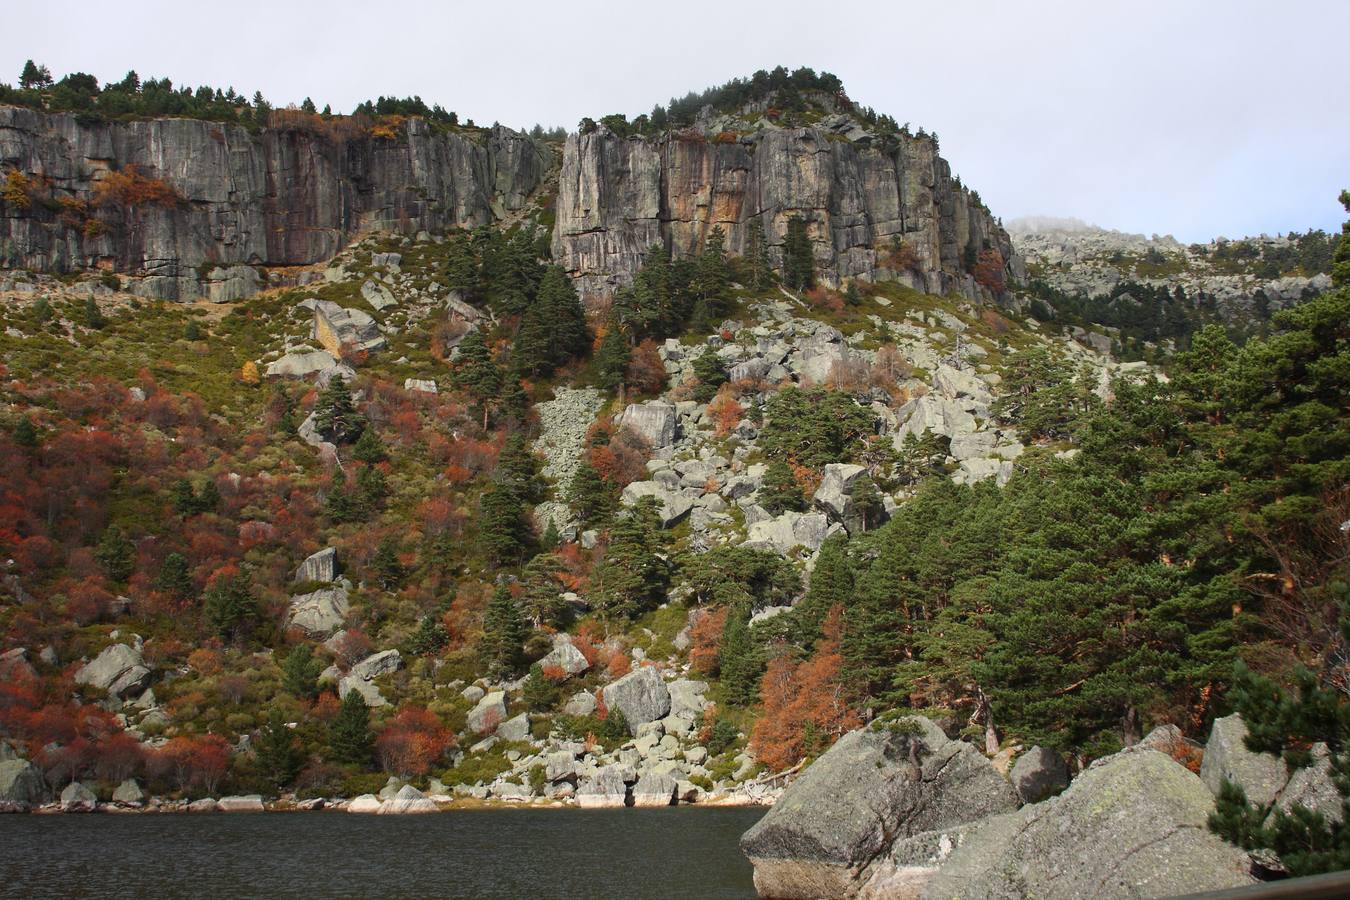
(641, 696)
(119, 670)
(876, 785)
(1133, 825)
(21, 785)
(857, 192)
(280, 197)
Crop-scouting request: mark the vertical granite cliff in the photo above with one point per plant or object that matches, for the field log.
(857, 192)
(274, 198)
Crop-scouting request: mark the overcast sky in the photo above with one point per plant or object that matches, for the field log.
(1183, 117)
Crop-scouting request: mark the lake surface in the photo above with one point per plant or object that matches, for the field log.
(501, 853)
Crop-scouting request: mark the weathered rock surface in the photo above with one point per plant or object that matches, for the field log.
(75, 797)
(1038, 774)
(874, 786)
(21, 784)
(242, 803)
(488, 713)
(340, 329)
(321, 566)
(1132, 825)
(408, 801)
(617, 197)
(366, 803)
(319, 613)
(654, 789)
(280, 197)
(300, 363)
(654, 421)
(673, 506)
(603, 790)
(640, 695)
(129, 792)
(119, 670)
(565, 656)
(1261, 775)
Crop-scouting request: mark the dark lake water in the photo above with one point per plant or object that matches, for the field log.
(656, 853)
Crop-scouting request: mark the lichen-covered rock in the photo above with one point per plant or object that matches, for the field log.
(377, 664)
(1260, 775)
(242, 803)
(654, 789)
(516, 728)
(119, 669)
(673, 506)
(1039, 773)
(565, 656)
(836, 487)
(300, 363)
(640, 695)
(874, 786)
(1132, 825)
(654, 421)
(129, 793)
(408, 801)
(340, 330)
(319, 613)
(366, 803)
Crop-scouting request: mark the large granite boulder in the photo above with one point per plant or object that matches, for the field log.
(129, 793)
(640, 695)
(21, 785)
(654, 789)
(876, 785)
(408, 801)
(321, 566)
(654, 421)
(319, 613)
(366, 803)
(377, 664)
(564, 656)
(340, 330)
(1132, 825)
(1039, 773)
(605, 789)
(1262, 776)
(789, 530)
(1313, 787)
(488, 713)
(836, 487)
(75, 797)
(241, 803)
(300, 363)
(516, 728)
(119, 670)
(674, 506)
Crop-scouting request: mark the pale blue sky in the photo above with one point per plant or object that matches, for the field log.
(1190, 118)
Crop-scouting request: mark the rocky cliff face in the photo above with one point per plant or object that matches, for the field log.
(857, 192)
(276, 198)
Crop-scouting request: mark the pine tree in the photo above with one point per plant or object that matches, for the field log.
(539, 693)
(25, 435)
(349, 737)
(477, 374)
(634, 574)
(389, 571)
(518, 470)
(831, 585)
(867, 502)
(230, 607)
(93, 316)
(115, 555)
(279, 756)
(612, 357)
(429, 638)
(335, 415)
(174, 578)
(799, 266)
(502, 533)
(542, 599)
(780, 492)
(589, 496)
(711, 275)
(563, 312)
(757, 255)
(853, 296)
(504, 633)
(369, 448)
(300, 672)
(711, 375)
(740, 661)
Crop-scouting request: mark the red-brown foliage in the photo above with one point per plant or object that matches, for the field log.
(646, 373)
(129, 188)
(804, 707)
(989, 271)
(193, 761)
(705, 639)
(725, 411)
(412, 741)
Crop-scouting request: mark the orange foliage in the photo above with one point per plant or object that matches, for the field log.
(188, 760)
(989, 271)
(646, 373)
(412, 741)
(129, 188)
(705, 639)
(902, 257)
(619, 665)
(725, 411)
(804, 708)
(822, 298)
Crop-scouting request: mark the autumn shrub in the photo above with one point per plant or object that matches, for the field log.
(989, 271)
(128, 188)
(646, 374)
(412, 742)
(804, 704)
(725, 411)
(705, 639)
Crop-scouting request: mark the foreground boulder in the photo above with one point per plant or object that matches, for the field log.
(1039, 773)
(21, 785)
(129, 793)
(243, 803)
(878, 784)
(1261, 775)
(78, 798)
(119, 669)
(606, 789)
(408, 801)
(641, 696)
(1132, 825)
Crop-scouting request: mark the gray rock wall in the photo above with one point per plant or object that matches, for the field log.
(617, 197)
(281, 197)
